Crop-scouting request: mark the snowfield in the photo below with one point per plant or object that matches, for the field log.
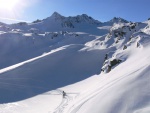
(101, 67)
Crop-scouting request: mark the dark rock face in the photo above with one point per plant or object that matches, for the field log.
(114, 62)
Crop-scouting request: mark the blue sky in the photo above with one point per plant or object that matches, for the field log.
(102, 10)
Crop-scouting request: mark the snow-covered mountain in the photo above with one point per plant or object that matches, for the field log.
(103, 67)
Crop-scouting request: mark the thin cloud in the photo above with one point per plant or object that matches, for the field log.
(15, 20)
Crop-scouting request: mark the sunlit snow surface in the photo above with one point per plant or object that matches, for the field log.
(39, 61)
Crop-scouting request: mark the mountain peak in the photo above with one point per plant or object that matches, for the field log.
(84, 15)
(86, 18)
(118, 19)
(56, 14)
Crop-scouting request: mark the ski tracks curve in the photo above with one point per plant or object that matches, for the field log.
(65, 101)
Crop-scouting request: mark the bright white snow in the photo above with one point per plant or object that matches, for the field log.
(78, 55)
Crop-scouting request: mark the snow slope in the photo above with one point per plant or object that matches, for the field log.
(125, 89)
(51, 71)
(102, 67)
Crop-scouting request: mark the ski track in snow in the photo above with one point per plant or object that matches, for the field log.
(79, 103)
(65, 101)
